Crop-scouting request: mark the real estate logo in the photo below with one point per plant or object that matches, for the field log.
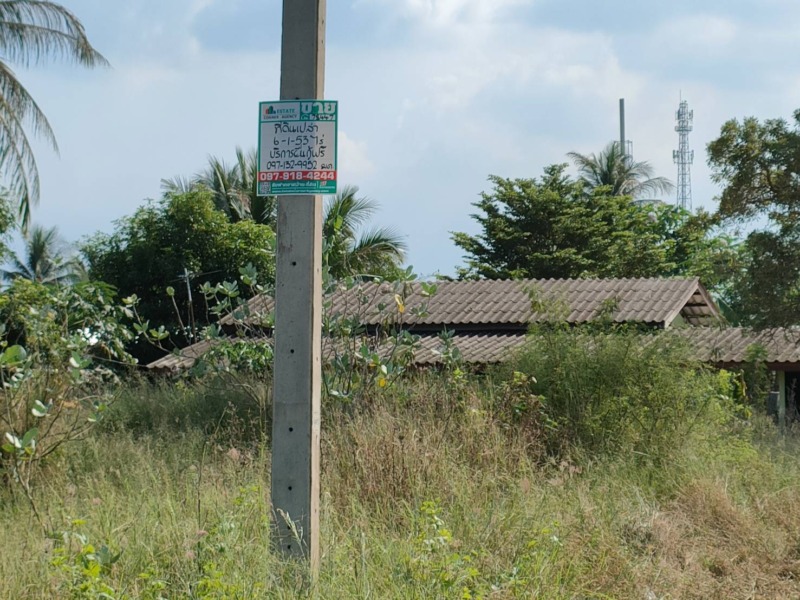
(281, 111)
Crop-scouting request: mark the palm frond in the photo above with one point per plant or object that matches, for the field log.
(386, 241)
(177, 185)
(17, 269)
(611, 167)
(44, 258)
(347, 212)
(32, 31)
(37, 30)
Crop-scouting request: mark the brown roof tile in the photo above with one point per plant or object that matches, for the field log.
(735, 345)
(505, 302)
(491, 310)
(474, 349)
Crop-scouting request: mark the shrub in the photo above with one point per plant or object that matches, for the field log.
(607, 392)
(61, 350)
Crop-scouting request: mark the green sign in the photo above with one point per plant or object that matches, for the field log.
(297, 146)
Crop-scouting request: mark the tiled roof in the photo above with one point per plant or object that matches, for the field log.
(491, 317)
(487, 304)
(732, 346)
(778, 348)
(474, 349)
(186, 357)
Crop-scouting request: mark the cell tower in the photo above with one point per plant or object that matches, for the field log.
(684, 157)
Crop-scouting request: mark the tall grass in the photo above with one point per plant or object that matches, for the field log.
(435, 488)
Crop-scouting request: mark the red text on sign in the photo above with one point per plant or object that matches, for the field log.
(297, 176)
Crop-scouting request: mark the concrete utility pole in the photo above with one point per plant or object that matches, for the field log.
(298, 311)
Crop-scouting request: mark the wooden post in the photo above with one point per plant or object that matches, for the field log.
(298, 311)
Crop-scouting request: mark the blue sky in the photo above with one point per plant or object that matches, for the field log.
(434, 96)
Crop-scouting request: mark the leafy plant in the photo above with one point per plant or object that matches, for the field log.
(361, 357)
(83, 567)
(436, 563)
(61, 350)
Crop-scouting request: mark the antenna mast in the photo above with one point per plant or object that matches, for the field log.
(625, 145)
(683, 157)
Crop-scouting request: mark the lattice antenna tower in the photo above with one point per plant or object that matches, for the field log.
(684, 157)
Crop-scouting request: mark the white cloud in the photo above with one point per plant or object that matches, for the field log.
(699, 33)
(447, 13)
(464, 89)
(198, 6)
(138, 78)
(353, 158)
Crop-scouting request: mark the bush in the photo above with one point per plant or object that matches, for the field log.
(610, 392)
(62, 348)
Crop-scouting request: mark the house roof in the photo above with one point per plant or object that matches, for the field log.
(474, 348)
(490, 318)
(487, 304)
(778, 348)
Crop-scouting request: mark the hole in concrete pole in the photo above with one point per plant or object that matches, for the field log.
(291, 351)
(294, 263)
(291, 429)
(290, 488)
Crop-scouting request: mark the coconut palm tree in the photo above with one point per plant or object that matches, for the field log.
(44, 260)
(617, 170)
(352, 250)
(32, 31)
(349, 248)
(234, 188)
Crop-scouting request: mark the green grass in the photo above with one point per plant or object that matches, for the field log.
(429, 490)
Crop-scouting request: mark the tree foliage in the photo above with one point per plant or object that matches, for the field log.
(32, 31)
(62, 349)
(234, 188)
(758, 166)
(550, 228)
(617, 171)
(44, 260)
(179, 242)
(353, 249)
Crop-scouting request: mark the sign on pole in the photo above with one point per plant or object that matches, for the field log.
(297, 147)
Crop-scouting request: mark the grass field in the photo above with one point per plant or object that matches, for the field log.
(431, 489)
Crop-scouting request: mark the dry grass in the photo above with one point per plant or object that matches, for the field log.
(189, 508)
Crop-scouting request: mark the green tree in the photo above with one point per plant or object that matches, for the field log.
(350, 249)
(44, 260)
(32, 31)
(234, 188)
(758, 166)
(620, 173)
(179, 242)
(550, 228)
(351, 246)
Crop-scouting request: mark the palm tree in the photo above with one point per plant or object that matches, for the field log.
(349, 251)
(44, 259)
(32, 31)
(234, 188)
(612, 168)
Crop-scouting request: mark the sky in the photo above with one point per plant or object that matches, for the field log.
(434, 96)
